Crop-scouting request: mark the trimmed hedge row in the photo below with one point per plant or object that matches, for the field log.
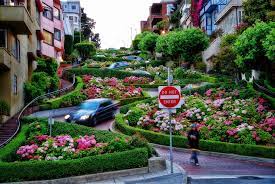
(7, 153)
(71, 96)
(180, 141)
(132, 100)
(102, 73)
(43, 170)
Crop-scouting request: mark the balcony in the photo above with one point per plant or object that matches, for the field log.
(232, 4)
(5, 59)
(17, 18)
(212, 5)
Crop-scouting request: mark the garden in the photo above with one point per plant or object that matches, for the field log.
(71, 150)
(225, 114)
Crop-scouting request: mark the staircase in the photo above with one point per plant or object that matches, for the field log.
(8, 130)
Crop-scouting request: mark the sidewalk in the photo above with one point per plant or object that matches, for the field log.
(213, 166)
(163, 177)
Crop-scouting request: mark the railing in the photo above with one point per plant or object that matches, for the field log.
(68, 88)
(260, 88)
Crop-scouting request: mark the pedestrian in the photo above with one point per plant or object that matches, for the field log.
(193, 139)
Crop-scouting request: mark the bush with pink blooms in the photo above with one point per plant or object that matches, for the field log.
(221, 115)
(113, 88)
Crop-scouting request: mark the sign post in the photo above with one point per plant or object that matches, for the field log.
(170, 98)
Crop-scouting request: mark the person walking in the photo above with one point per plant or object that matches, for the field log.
(193, 139)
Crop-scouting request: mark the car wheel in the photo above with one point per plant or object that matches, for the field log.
(94, 121)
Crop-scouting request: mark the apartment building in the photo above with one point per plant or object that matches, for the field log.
(185, 9)
(51, 37)
(72, 14)
(158, 12)
(18, 45)
(223, 15)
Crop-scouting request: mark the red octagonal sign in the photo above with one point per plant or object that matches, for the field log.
(169, 97)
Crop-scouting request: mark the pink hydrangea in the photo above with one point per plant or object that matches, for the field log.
(86, 142)
(208, 92)
(228, 122)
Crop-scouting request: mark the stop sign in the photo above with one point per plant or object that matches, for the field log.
(169, 97)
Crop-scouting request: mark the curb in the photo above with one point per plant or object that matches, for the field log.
(90, 177)
(223, 155)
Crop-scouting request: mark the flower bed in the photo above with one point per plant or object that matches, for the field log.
(113, 88)
(220, 115)
(44, 157)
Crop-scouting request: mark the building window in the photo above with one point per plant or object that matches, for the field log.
(15, 48)
(57, 34)
(56, 13)
(75, 19)
(48, 37)
(38, 45)
(73, 7)
(48, 12)
(14, 83)
(71, 18)
(240, 17)
(3, 38)
(65, 6)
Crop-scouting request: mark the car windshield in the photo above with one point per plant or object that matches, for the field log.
(89, 106)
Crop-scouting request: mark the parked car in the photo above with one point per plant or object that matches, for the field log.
(118, 65)
(133, 58)
(141, 72)
(92, 111)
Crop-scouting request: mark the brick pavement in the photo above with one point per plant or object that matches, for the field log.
(212, 165)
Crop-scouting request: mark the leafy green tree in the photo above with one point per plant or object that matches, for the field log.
(269, 45)
(48, 66)
(148, 42)
(162, 45)
(138, 38)
(223, 62)
(85, 49)
(256, 10)
(183, 44)
(68, 45)
(249, 45)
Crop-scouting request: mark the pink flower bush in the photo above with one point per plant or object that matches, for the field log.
(58, 148)
(136, 80)
(208, 92)
(86, 142)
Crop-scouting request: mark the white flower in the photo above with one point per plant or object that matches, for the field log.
(244, 111)
(236, 110)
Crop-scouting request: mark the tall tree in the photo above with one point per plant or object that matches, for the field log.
(256, 10)
(87, 29)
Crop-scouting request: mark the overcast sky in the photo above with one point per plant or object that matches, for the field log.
(114, 19)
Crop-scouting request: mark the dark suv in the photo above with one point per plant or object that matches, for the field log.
(93, 111)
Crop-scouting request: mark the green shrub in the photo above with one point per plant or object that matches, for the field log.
(134, 115)
(131, 100)
(124, 109)
(85, 49)
(43, 170)
(68, 45)
(4, 108)
(74, 97)
(48, 66)
(7, 153)
(180, 141)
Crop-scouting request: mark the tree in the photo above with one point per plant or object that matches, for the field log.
(138, 38)
(87, 26)
(68, 45)
(48, 66)
(256, 10)
(175, 18)
(249, 45)
(223, 62)
(269, 45)
(148, 42)
(162, 45)
(184, 44)
(85, 49)
(77, 37)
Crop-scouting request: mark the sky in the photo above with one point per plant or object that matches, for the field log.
(115, 18)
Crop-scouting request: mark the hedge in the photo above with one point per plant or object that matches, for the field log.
(132, 100)
(7, 153)
(71, 96)
(180, 141)
(102, 73)
(42, 170)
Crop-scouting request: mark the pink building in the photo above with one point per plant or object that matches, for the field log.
(51, 36)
